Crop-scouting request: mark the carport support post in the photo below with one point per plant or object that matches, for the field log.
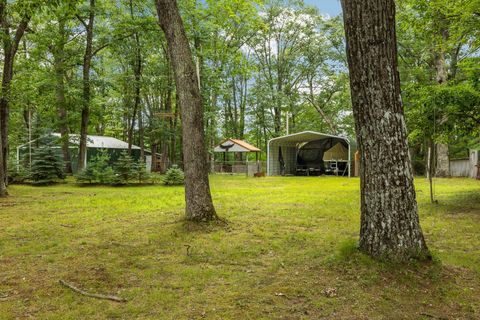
(349, 160)
(268, 158)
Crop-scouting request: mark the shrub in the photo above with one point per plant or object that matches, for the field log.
(18, 173)
(47, 166)
(174, 176)
(419, 167)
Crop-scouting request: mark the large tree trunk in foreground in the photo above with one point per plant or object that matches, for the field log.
(87, 62)
(390, 227)
(199, 205)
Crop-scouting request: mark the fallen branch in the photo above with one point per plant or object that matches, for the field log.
(92, 295)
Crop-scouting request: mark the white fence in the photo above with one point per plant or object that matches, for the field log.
(465, 167)
(460, 167)
(239, 167)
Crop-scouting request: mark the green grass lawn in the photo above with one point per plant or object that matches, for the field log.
(288, 252)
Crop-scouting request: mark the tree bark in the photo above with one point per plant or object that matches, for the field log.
(10, 47)
(141, 135)
(443, 161)
(199, 205)
(59, 66)
(442, 165)
(137, 71)
(87, 61)
(390, 227)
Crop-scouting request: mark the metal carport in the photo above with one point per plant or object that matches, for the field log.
(286, 148)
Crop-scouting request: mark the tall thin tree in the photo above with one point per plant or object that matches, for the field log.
(199, 205)
(10, 44)
(87, 63)
(59, 56)
(390, 227)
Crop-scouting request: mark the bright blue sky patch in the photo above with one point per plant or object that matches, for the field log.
(331, 7)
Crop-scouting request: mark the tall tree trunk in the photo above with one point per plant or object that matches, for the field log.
(154, 157)
(87, 61)
(10, 47)
(442, 165)
(390, 227)
(141, 135)
(174, 130)
(199, 205)
(443, 160)
(137, 71)
(3, 187)
(59, 66)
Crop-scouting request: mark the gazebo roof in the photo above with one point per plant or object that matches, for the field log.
(235, 145)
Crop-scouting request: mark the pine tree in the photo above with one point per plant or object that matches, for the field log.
(141, 171)
(125, 170)
(98, 170)
(86, 175)
(47, 166)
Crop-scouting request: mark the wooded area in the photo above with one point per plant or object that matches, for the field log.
(114, 96)
(103, 68)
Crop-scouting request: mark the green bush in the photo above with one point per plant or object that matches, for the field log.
(419, 167)
(18, 173)
(47, 166)
(174, 176)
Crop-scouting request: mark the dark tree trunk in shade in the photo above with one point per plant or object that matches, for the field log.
(141, 135)
(154, 157)
(3, 186)
(199, 205)
(390, 227)
(59, 67)
(87, 61)
(137, 71)
(10, 42)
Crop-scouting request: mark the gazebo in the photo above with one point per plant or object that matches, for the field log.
(240, 162)
(310, 153)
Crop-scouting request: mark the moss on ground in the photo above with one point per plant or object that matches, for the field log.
(288, 252)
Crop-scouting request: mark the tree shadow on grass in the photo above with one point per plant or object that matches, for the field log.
(460, 202)
(349, 259)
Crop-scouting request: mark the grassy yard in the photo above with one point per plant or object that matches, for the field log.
(288, 252)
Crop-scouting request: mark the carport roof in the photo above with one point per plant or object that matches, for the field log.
(304, 136)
